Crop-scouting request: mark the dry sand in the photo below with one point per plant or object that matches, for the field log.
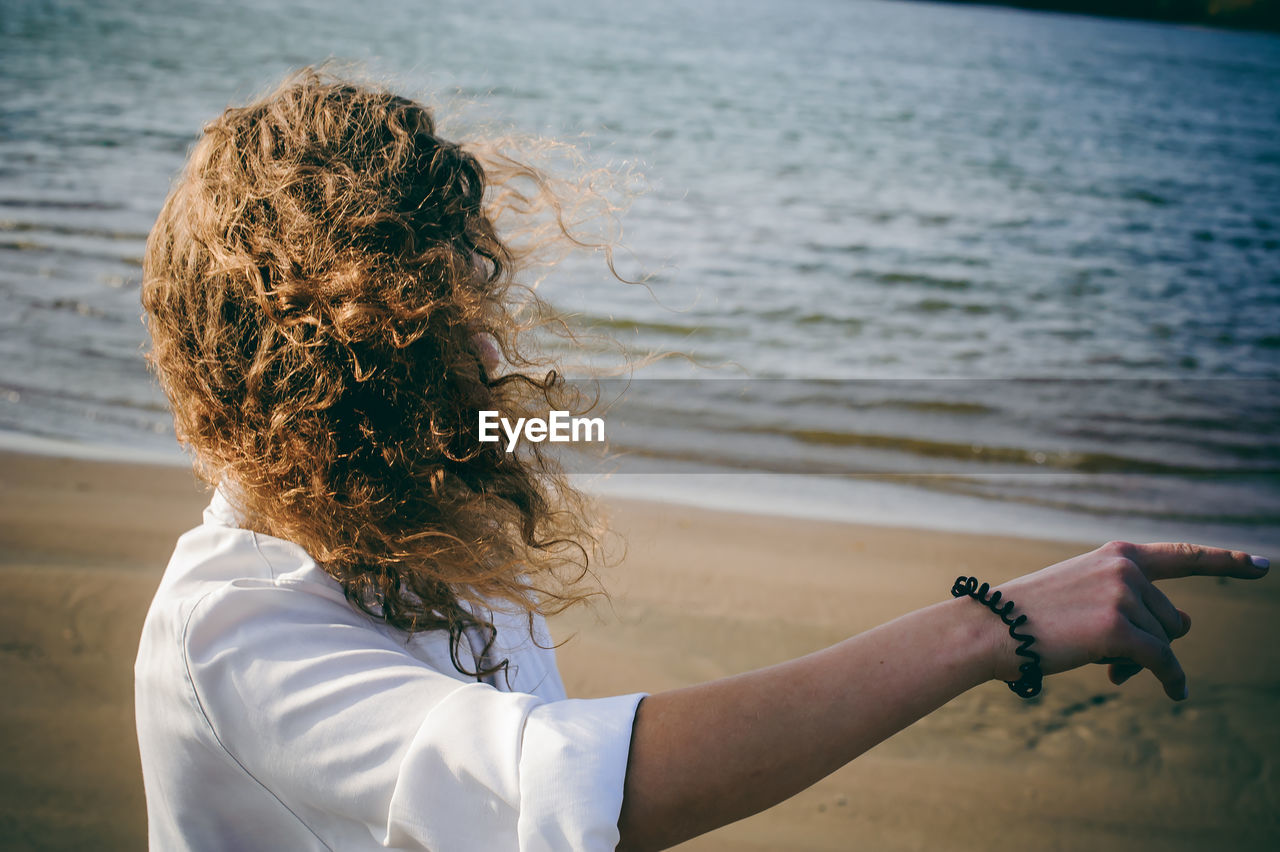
(700, 594)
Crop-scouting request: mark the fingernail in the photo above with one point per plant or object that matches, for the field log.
(1260, 562)
(1185, 693)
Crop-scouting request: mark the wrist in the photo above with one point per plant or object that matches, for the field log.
(1027, 680)
(988, 649)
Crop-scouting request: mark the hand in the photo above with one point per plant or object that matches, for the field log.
(1102, 607)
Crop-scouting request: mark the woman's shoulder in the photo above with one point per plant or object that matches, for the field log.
(228, 590)
(221, 552)
(224, 581)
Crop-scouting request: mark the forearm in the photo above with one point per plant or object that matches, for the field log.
(708, 755)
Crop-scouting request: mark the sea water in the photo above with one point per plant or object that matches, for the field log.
(936, 264)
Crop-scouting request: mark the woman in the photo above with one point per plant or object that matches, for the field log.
(350, 651)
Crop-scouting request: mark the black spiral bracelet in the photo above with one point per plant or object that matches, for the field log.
(1028, 685)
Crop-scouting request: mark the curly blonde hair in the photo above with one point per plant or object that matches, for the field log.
(317, 288)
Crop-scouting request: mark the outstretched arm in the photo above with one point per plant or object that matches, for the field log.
(707, 755)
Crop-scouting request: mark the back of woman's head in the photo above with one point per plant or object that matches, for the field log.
(316, 288)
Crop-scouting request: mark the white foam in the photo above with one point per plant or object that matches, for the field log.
(41, 446)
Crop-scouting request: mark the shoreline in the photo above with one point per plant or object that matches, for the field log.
(837, 499)
(697, 594)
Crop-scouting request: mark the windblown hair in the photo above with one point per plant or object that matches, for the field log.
(316, 289)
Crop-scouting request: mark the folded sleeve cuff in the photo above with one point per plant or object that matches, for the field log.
(496, 770)
(572, 768)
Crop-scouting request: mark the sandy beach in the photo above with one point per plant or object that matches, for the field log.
(699, 594)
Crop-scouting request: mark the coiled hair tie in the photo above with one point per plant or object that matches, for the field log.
(1028, 685)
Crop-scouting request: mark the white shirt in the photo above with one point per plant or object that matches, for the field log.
(272, 714)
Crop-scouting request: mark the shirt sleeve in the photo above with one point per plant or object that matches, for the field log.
(339, 721)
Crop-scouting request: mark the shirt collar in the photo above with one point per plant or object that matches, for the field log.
(220, 511)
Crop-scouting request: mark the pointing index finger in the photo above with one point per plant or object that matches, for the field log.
(1167, 560)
